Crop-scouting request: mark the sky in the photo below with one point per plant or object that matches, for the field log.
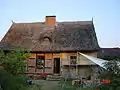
(105, 14)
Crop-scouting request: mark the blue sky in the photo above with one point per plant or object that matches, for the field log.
(105, 13)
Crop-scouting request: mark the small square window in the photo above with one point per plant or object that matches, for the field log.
(72, 60)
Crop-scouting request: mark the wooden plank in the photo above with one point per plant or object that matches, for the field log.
(33, 55)
(48, 70)
(56, 55)
(48, 63)
(40, 54)
(32, 62)
(66, 60)
(39, 70)
(31, 69)
(48, 56)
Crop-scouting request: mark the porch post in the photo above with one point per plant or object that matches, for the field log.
(76, 65)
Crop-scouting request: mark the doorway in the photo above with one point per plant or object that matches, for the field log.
(56, 65)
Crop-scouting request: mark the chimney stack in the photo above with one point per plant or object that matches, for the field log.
(50, 20)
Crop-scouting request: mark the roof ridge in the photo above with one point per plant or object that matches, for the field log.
(76, 21)
(28, 22)
(57, 22)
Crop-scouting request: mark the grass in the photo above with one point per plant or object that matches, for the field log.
(55, 85)
(43, 85)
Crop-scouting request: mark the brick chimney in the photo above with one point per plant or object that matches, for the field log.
(50, 20)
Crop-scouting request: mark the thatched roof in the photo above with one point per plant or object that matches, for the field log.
(65, 36)
(108, 52)
(7, 47)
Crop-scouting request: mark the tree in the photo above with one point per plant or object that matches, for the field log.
(14, 62)
(111, 71)
(14, 66)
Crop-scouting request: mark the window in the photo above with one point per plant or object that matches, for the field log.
(72, 60)
(40, 62)
(46, 41)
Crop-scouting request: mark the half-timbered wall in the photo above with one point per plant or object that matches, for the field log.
(31, 64)
(65, 61)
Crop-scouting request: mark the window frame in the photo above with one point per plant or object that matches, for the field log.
(73, 60)
(40, 63)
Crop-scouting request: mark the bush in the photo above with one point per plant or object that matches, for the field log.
(111, 72)
(10, 82)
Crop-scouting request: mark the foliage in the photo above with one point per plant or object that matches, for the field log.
(14, 66)
(111, 72)
(112, 57)
(14, 62)
(10, 82)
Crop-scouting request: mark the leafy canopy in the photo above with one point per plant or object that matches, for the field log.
(14, 62)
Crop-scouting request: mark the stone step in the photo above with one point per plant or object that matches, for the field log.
(53, 77)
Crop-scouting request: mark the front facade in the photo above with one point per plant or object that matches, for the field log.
(59, 63)
(55, 45)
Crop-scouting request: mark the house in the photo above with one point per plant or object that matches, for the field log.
(54, 45)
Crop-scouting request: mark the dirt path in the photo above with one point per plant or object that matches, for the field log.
(47, 85)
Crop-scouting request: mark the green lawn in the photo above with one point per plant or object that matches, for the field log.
(44, 85)
(55, 85)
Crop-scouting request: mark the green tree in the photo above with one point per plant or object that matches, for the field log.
(12, 76)
(111, 71)
(14, 62)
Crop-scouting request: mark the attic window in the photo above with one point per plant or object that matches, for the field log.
(46, 40)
